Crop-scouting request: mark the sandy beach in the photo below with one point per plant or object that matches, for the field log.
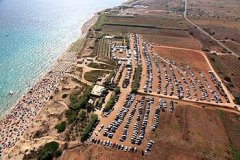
(21, 117)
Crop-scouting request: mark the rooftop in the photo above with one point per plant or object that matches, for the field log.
(97, 90)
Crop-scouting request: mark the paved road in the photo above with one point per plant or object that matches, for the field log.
(204, 32)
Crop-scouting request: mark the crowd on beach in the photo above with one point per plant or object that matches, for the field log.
(14, 123)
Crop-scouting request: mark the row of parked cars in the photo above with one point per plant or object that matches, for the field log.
(156, 59)
(128, 122)
(120, 49)
(218, 86)
(204, 93)
(145, 121)
(136, 51)
(189, 79)
(111, 144)
(216, 97)
(149, 146)
(149, 81)
(114, 125)
(137, 122)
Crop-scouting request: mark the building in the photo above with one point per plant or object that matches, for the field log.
(98, 90)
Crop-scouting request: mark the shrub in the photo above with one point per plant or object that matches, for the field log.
(58, 153)
(64, 96)
(48, 151)
(71, 115)
(226, 78)
(117, 90)
(89, 127)
(82, 115)
(212, 59)
(109, 104)
(61, 127)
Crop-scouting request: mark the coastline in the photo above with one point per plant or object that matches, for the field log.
(54, 68)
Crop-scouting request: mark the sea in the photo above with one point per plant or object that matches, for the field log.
(33, 34)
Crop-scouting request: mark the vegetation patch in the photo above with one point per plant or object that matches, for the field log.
(136, 79)
(89, 127)
(48, 151)
(104, 49)
(101, 20)
(110, 104)
(93, 76)
(61, 127)
(64, 96)
(235, 152)
(101, 66)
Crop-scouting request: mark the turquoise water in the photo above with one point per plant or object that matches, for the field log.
(33, 33)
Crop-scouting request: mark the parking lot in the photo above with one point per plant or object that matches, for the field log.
(165, 84)
(178, 77)
(132, 122)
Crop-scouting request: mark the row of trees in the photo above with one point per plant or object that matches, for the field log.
(111, 101)
(93, 119)
(136, 79)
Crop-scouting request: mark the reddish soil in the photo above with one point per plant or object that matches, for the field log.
(188, 133)
(188, 58)
(186, 42)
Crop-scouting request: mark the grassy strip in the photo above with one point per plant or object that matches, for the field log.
(130, 25)
(234, 151)
(101, 66)
(89, 127)
(101, 20)
(111, 102)
(93, 76)
(119, 16)
(136, 79)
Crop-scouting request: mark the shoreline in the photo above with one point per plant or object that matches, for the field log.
(54, 74)
(49, 69)
(4, 151)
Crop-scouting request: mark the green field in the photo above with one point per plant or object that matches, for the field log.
(93, 76)
(157, 22)
(104, 49)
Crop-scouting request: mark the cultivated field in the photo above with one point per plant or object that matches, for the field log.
(181, 42)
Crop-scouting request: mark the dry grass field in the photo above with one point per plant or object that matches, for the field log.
(227, 66)
(181, 42)
(216, 9)
(233, 45)
(187, 57)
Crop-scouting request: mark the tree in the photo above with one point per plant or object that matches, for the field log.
(82, 115)
(47, 151)
(61, 127)
(117, 90)
(226, 78)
